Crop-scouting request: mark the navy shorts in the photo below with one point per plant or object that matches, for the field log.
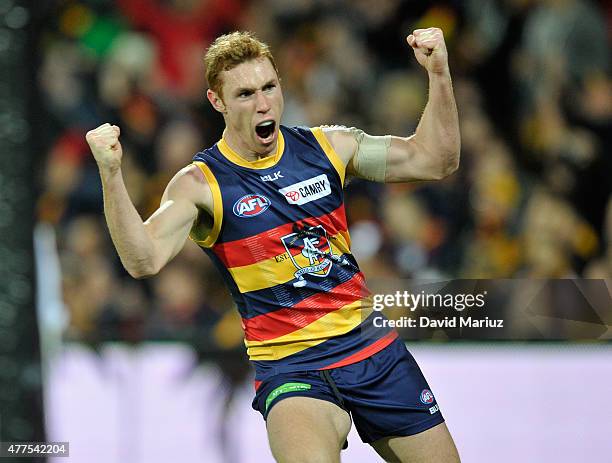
(385, 394)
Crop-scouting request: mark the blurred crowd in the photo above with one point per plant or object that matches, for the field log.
(531, 198)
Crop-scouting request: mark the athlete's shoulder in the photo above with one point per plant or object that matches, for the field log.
(341, 138)
(191, 184)
(334, 140)
(308, 131)
(206, 155)
(297, 131)
(315, 137)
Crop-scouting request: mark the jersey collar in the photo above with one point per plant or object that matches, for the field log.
(263, 163)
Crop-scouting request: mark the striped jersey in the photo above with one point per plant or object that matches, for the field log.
(279, 237)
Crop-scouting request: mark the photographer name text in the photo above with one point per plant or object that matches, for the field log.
(431, 322)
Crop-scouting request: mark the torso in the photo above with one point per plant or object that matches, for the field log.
(280, 239)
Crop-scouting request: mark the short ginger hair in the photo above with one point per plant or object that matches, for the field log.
(230, 50)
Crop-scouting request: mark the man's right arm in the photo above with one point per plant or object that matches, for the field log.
(145, 247)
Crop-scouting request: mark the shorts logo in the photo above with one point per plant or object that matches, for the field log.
(306, 191)
(251, 205)
(426, 397)
(310, 252)
(283, 389)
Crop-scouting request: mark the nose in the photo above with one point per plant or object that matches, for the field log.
(263, 105)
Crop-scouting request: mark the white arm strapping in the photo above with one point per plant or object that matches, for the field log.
(370, 160)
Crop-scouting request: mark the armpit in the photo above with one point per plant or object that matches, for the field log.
(202, 226)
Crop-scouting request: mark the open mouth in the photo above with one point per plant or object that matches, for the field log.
(265, 129)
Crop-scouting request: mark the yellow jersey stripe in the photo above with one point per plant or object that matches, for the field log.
(217, 208)
(333, 324)
(330, 152)
(278, 269)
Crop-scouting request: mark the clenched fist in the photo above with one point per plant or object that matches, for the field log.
(429, 49)
(105, 146)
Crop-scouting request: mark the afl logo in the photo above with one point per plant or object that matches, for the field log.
(251, 205)
(426, 396)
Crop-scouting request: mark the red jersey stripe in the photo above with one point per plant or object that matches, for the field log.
(251, 250)
(284, 321)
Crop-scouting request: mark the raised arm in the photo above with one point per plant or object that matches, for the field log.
(432, 152)
(145, 247)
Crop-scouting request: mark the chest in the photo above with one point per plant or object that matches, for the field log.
(278, 194)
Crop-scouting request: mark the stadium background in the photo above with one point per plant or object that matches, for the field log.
(132, 369)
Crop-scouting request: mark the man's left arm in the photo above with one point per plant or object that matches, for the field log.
(432, 152)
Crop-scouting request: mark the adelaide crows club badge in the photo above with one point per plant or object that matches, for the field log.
(310, 252)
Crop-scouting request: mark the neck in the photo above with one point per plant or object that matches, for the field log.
(242, 150)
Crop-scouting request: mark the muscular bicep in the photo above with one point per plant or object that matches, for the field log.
(407, 161)
(392, 159)
(383, 158)
(168, 227)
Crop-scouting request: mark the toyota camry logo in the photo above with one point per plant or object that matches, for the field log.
(293, 195)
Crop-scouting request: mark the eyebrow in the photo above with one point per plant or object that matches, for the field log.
(251, 90)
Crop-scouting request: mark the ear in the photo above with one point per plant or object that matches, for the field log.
(215, 101)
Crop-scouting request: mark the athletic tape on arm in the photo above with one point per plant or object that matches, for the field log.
(370, 160)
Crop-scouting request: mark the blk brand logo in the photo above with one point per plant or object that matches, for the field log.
(271, 177)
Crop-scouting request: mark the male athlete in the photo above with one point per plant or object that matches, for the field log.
(266, 204)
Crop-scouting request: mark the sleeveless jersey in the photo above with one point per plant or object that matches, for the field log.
(280, 240)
